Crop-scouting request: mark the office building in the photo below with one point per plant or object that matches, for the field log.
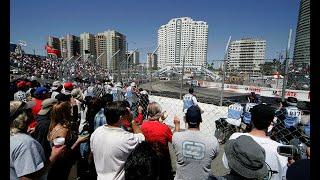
(174, 39)
(134, 58)
(87, 45)
(301, 54)
(152, 61)
(54, 42)
(245, 56)
(108, 44)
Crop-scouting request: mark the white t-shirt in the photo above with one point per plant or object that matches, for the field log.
(273, 159)
(111, 147)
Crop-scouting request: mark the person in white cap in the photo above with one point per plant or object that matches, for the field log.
(56, 88)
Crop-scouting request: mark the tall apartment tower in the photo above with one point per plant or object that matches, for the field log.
(87, 45)
(70, 46)
(301, 54)
(152, 61)
(134, 58)
(107, 44)
(246, 55)
(174, 39)
(54, 42)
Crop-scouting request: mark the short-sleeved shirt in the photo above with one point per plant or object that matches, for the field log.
(194, 152)
(274, 160)
(111, 147)
(188, 101)
(26, 155)
(155, 131)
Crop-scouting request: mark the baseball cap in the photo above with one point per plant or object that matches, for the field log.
(193, 115)
(68, 86)
(133, 84)
(21, 84)
(118, 84)
(46, 105)
(41, 90)
(292, 101)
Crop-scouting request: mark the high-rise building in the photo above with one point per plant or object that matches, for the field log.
(152, 61)
(87, 45)
(301, 54)
(134, 58)
(174, 39)
(246, 56)
(70, 46)
(107, 45)
(54, 42)
(63, 47)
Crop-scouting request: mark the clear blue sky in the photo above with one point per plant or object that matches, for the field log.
(139, 20)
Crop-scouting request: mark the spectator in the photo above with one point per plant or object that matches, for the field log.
(21, 94)
(261, 118)
(132, 97)
(142, 163)
(56, 88)
(158, 135)
(143, 101)
(117, 92)
(194, 151)
(289, 113)
(246, 159)
(68, 87)
(60, 130)
(27, 159)
(111, 145)
(43, 123)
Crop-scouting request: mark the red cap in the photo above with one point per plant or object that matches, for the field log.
(29, 84)
(21, 84)
(68, 85)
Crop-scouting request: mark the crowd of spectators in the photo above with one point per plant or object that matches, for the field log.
(110, 130)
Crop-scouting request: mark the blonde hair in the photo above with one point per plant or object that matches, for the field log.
(19, 123)
(154, 111)
(60, 114)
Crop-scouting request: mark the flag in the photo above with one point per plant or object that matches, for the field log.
(52, 51)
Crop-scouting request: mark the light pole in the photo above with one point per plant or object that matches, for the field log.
(224, 71)
(128, 63)
(285, 77)
(184, 58)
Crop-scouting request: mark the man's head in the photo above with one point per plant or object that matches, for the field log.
(46, 106)
(57, 86)
(19, 115)
(246, 157)
(142, 163)
(292, 101)
(154, 109)
(193, 117)
(191, 90)
(116, 112)
(262, 116)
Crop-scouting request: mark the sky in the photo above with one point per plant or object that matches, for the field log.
(32, 21)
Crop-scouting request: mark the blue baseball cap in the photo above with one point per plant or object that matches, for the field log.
(41, 90)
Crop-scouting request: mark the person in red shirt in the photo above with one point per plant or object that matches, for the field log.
(158, 135)
(40, 94)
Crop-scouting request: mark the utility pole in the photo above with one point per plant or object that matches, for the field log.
(285, 77)
(224, 70)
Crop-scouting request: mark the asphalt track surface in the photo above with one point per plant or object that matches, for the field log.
(205, 95)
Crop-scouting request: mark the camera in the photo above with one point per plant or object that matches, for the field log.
(296, 150)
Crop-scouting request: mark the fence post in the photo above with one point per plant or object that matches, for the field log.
(224, 71)
(285, 77)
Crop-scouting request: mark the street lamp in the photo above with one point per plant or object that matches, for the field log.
(184, 58)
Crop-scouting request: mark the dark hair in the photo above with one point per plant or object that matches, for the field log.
(190, 90)
(262, 116)
(107, 98)
(114, 110)
(142, 163)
